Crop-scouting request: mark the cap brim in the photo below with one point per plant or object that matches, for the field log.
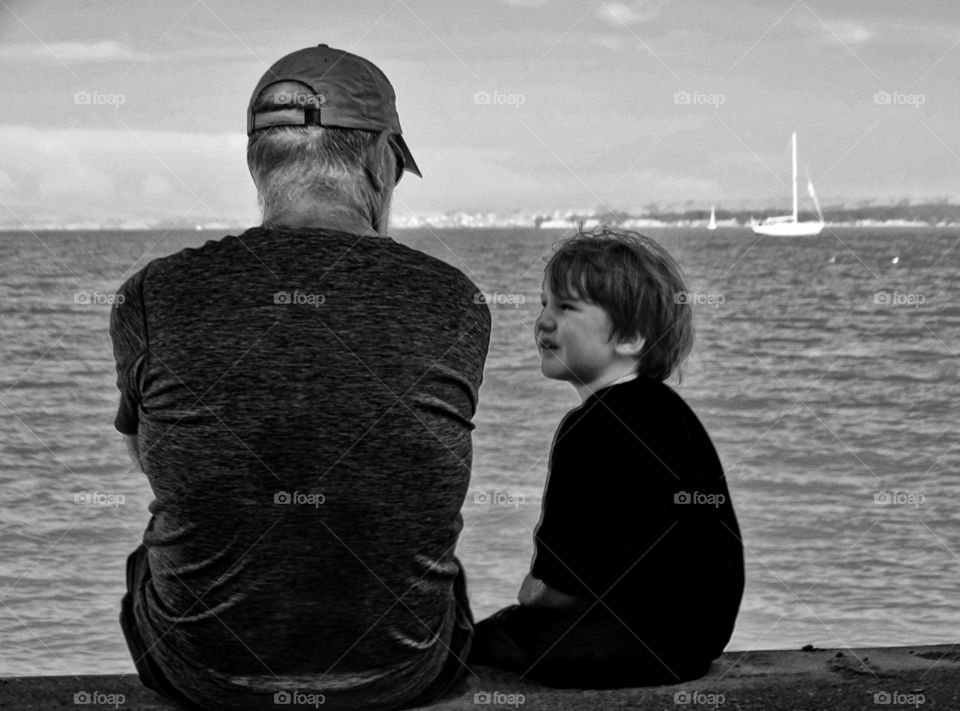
(409, 164)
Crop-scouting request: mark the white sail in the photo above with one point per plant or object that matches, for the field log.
(816, 202)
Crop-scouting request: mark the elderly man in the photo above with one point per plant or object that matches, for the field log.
(300, 398)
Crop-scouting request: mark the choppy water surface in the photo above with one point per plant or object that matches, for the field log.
(826, 375)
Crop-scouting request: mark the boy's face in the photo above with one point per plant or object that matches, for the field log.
(573, 338)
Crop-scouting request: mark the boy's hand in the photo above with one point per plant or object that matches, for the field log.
(536, 593)
(527, 587)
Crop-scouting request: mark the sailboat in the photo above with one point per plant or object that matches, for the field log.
(789, 225)
(712, 225)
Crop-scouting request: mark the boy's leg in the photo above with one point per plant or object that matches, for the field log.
(568, 649)
(499, 642)
(138, 572)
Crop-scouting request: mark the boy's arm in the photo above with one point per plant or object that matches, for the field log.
(536, 593)
(604, 508)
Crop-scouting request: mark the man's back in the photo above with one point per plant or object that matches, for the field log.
(304, 417)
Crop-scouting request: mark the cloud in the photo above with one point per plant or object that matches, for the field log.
(70, 52)
(155, 186)
(642, 185)
(525, 3)
(75, 179)
(111, 173)
(848, 32)
(114, 141)
(624, 14)
(608, 42)
(105, 51)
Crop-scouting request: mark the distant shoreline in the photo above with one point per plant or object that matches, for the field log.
(686, 215)
(588, 223)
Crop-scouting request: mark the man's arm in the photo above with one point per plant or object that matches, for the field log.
(129, 350)
(133, 447)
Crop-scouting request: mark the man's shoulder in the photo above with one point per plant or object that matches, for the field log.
(258, 258)
(232, 248)
(157, 267)
(429, 264)
(211, 249)
(431, 274)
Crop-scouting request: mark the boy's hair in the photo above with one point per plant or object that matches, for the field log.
(638, 283)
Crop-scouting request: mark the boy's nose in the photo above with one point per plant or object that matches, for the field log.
(543, 323)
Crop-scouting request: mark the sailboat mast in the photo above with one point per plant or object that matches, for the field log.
(794, 176)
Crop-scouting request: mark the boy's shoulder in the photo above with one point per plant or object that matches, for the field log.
(643, 408)
(647, 419)
(640, 398)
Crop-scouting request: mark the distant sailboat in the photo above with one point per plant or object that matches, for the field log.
(712, 225)
(789, 225)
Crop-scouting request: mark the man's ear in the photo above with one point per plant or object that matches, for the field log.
(630, 346)
(376, 152)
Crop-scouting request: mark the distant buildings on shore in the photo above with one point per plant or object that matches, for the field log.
(902, 214)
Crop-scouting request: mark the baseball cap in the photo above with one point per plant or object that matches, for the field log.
(345, 91)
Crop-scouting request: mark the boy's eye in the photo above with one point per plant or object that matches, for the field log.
(567, 306)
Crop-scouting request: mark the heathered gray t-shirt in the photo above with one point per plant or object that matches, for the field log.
(303, 402)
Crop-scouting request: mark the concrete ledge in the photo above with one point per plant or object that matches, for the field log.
(926, 677)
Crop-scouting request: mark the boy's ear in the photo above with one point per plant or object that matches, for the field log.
(630, 346)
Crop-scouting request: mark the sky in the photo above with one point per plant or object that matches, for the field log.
(115, 111)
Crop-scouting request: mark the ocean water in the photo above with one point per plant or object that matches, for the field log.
(826, 374)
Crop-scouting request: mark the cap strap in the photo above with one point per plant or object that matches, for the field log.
(286, 117)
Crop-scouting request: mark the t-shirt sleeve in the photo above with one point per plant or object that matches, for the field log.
(129, 337)
(476, 328)
(604, 506)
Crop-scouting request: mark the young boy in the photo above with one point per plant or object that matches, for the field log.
(637, 573)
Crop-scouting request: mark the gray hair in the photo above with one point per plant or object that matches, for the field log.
(290, 163)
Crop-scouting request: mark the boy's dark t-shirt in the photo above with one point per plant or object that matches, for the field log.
(303, 402)
(636, 511)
